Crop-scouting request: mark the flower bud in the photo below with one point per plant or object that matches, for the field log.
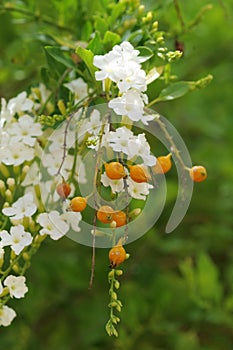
(26, 256)
(15, 268)
(8, 195)
(62, 107)
(4, 171)
(141, 9)
(11, 183)
(119, 272)
(2, 188)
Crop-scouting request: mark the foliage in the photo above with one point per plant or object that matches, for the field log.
(176, 289)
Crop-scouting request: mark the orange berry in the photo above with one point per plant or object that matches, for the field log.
(120, 218)
(78, 204)
(198, 173)
(63, 190)
(163, 164)
(138, 173)
(114, 170)
(105, 214)
(117, 255)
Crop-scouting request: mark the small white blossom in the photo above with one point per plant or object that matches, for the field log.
(94, 124)
(20, 103)
(16, 286)
(121, 65)
(52, 162)
(73, 219)
(18, 238)
(118, 140)
(32, 176)
(52, 224)
(1, 287)
(16, 154)
(131, 104)
(57, 138)
(116, 185)
(78, 87)
(24, 206)
(6, 316)
(24, 130)
(138, 190)
(140, 147)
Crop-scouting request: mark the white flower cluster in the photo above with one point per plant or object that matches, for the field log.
(122, 65)
(17, 289)
(19, 130)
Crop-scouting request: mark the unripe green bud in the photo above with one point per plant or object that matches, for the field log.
(141, 9)
(8, 196)
(26, 256)
(119, 272)
(114, 295)
(11, 183)
(15, 268)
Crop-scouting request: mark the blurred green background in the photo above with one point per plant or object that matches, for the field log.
(177, 289)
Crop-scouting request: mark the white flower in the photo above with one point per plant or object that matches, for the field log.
(53, 225)
(52, 162)
(131, 104)
(80, 171)
(118, 140)
(57, 138)
(108, 64)
(116, 185)
(1, 287)
(5, 114)
(138, 190)
(18, 239)
(25, 130)
(78, 87)
(16, 286)
(118, 65)
(94, 124)
(32, 176)
(20, 103)
(73, 219)
(123, 140)
(6, 316)
(140, 147)
(24, 206)
(16, 154)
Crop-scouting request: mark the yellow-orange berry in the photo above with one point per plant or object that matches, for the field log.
(114, 170)
(120, 218)
(78, 204)
(63, 190)
(105, 214)
(198, 173)
(163, 164)
(138, 173)
(117, 255)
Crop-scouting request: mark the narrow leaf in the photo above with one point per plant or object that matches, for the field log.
(87, 57)
(59, 56)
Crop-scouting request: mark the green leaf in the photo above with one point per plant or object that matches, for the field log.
(117, 10)
(87, 57)
(59, 56)
(111, 39)
(96, 45)
(175, 90)
(209, 287)
(101, 25)
(145, 52)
